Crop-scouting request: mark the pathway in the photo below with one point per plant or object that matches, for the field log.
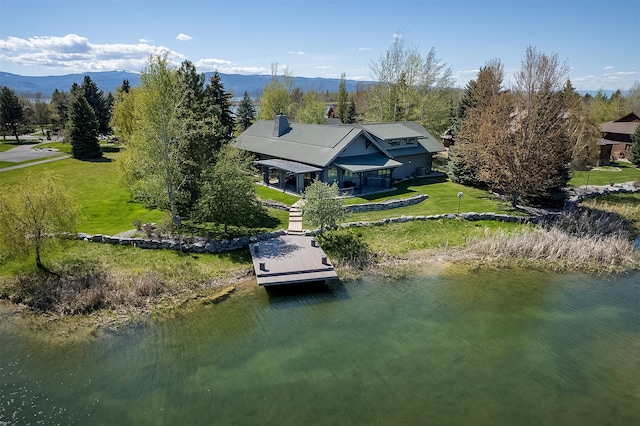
(20, 166)
(295, 219)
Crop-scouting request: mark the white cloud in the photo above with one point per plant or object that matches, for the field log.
(227, 67)
(76, 53)
(299, 52)
(324, 67)
(608, 68)
(183, 37)
(396, 36)
(144, 40)
(363, 49)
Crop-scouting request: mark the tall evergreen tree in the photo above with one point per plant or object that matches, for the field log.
(246, 112)
(98, 102)
(351, 113)
(343, 99)
(218, 103)
(634, 152)
(11, 112)
(83, 130)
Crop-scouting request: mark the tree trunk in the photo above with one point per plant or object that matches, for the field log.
(514, 198)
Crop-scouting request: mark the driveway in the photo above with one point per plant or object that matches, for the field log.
(26, 153)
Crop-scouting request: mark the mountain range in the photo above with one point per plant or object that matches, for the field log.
(109, 81)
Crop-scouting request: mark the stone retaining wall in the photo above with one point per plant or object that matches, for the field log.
(196, 245)
(577, 195)
(466, 216)
(386, 205)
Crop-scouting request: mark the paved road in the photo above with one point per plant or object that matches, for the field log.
(23, 153)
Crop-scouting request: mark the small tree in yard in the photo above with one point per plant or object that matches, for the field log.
(634, 152)
(228, 192)
(323, 207)
(34, 216)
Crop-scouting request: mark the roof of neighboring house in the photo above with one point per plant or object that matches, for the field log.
(320, 144)
(626, 125)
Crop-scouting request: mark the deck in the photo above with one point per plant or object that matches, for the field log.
(290, 259)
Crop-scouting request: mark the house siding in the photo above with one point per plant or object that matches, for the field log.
(412, 165)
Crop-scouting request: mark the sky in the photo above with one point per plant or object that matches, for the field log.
(599, 41)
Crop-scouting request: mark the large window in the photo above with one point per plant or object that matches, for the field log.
(332, 175)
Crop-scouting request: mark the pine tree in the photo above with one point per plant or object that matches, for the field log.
(11, 112)
(246, 112)
(83, 130)
(634, 152)
(351, 113)
(343, 98)
(218, 102)
(99, 103)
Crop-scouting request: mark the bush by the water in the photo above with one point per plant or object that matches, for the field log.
(347, 248)
(83, 292)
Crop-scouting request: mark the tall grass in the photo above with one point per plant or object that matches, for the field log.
(585, 239)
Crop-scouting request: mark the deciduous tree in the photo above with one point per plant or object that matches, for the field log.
(312, 110)
(228, 190)
(41, 111)
(323, 207)
(276, 95)
(521, 143)
(151, 162)
(35, 215)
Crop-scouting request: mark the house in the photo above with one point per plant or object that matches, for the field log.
(616, 137)
(360, 157)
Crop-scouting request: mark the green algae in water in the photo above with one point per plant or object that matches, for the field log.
(490, 347)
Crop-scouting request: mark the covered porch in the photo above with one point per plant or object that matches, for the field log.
(365, 173)
(288, 175)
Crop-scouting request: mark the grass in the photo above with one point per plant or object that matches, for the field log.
(265, 194)
(443, 198)
(606, 175)
(105, 206)
(625, 205)
(400, 238)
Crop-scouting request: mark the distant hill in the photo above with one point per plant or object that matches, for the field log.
(109, 81)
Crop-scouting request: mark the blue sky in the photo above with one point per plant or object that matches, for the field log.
(599, 40)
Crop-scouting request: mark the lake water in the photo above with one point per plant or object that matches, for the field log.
(490, 347)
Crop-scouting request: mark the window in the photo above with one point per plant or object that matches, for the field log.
(332, 174)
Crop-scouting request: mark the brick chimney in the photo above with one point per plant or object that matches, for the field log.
(280, 125)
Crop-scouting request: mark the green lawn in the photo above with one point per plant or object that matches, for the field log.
(443, 198)
(606, 175)
(105, 206)
(273, 194)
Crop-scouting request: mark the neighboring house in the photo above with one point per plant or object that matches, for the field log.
(616, 137)
(360, 157)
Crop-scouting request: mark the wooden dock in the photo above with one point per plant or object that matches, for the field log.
(290, 259)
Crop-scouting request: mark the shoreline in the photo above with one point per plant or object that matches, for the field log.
(65, 328)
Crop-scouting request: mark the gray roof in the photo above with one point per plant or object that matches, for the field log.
(365, 163)
(319, 144)
(289, 166)
(315, 144)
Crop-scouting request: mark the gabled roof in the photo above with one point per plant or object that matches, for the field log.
(306, 143)
(319, 144)
(626, 125)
